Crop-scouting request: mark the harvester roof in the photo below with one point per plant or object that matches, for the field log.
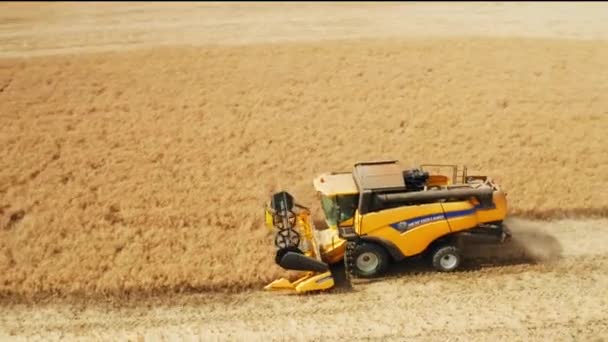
(377, 175)
(331, 184)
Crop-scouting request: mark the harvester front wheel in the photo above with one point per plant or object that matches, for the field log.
(446, 258)
(365, 259)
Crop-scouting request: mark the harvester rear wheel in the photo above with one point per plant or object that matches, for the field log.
(365, 260)
(446, 258)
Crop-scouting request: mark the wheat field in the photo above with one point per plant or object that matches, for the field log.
(120, 167)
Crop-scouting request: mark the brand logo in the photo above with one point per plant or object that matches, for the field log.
(402, 226)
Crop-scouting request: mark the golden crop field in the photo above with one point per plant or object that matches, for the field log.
(143, 171)
(121, 167)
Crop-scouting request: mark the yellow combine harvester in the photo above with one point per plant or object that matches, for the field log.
(381, 213)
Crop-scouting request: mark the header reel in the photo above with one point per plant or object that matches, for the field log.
(284, 219)
(294, 230)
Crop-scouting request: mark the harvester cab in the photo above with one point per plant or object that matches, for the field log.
(381, 213)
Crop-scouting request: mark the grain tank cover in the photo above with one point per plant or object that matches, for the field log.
(381, 175)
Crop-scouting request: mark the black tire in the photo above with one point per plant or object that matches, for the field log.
(446, 258)
(358, 254)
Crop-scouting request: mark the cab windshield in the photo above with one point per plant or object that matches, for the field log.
(345, 205)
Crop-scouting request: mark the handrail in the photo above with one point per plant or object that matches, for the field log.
(454, 171)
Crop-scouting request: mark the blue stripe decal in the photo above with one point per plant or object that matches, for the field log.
(452, 214)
